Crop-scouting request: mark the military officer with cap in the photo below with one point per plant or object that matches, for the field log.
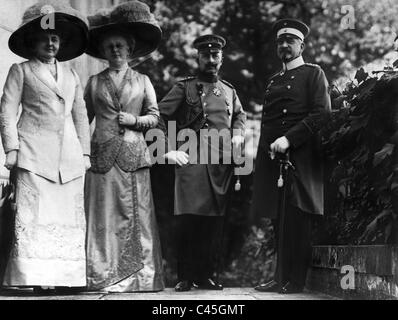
(296, 106)
(201, 189)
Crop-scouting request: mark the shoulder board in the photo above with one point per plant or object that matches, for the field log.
(312, 65)
(188, 78)
(227, 83)
(275, 74)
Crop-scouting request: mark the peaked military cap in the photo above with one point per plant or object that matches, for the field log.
(291, 26)
(209, 42)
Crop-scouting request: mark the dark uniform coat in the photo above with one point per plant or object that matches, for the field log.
(202, 189)
(296, 105)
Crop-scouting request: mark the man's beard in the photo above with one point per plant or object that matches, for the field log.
(210, 69)
(285, 55)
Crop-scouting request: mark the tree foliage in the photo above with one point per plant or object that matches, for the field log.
(361, 143)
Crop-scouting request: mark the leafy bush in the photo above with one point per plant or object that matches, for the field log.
(360, 147)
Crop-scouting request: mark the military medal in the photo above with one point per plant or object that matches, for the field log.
(228, 108)
(217, 92)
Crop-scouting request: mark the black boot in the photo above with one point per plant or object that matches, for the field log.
(183, 285)
(208, 284)
(270, 286)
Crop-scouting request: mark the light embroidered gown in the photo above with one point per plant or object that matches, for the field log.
(123, 247)
(51, 136)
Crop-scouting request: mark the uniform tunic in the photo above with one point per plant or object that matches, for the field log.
(201, 189)
(296, 105)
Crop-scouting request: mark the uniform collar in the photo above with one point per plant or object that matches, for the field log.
(295, 63)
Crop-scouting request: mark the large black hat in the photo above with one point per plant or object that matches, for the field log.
(69, 24)
(291, 26)
(131, 18)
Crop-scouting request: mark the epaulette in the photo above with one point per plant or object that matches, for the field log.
(227, 83)
(187, 78)
(275, 74)
(312, 65)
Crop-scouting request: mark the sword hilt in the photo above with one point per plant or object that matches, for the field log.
(284, 165)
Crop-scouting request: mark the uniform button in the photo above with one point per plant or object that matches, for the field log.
(206, 115)
(283, 122)
(282, 73)
(205, 104)
(288, 87)
(271, 82)
(122, 131)
(284, 111)
(203, 94)
(292, 77)
(206, 125)
(266, 91)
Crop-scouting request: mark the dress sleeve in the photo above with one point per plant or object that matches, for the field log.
(79, 115)
(149, 117)
(88, 98)
(10, 101)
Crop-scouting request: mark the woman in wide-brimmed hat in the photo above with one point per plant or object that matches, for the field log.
(48, 149)
(123, 248)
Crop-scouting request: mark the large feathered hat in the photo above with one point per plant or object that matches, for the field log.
(131, 18)
(69, 24)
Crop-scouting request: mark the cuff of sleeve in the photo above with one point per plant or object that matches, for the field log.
(7, 150)
(298, 135)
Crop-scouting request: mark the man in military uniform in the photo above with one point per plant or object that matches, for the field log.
(296, 106)
(200, 103)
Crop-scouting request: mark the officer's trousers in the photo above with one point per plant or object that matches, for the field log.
(296, 252)
(198, 246)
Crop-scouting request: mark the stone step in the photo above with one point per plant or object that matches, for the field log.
(169, 294)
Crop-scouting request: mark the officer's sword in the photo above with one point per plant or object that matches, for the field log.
(284, 166)
(237, 188)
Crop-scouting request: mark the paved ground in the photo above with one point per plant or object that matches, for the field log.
(170, 294)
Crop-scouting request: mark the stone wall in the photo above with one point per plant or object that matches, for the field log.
(375, 271)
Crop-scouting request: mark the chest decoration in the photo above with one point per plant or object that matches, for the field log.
(217, 92)
(199, 87)
(229, 108)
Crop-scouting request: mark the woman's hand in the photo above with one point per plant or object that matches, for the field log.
(179, 157)
(87, 162)
(11, 159)
(127, 119)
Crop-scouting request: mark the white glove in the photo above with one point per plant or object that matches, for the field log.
(280, 145)
(179, 157)
(237, 141)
